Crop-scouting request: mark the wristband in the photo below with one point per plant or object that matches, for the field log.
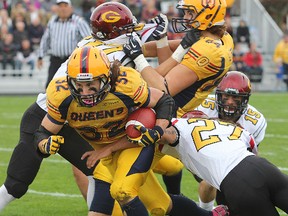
(179, 53)
(176, 141)
(42, 146)
(141, 63)
(163, 42)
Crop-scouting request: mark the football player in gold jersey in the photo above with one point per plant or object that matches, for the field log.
(109, 34)
(95, 99)
(22, 171)
(202, 58)
(96, 102)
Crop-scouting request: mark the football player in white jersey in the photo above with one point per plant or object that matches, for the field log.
(224, 155)
(216, 151)
(231, 104)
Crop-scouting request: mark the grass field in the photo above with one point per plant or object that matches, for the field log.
(54, 191)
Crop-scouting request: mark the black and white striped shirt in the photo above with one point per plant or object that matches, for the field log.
(61, 37)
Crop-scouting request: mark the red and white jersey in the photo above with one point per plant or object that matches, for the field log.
(252, 120)
(112, 48)
(210, 148)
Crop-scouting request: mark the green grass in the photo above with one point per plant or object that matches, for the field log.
(55, 175)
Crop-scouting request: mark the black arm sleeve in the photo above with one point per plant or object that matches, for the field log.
(39, 135)
(165, 107)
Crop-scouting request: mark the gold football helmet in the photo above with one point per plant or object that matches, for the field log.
(87, 64)
(208, 13)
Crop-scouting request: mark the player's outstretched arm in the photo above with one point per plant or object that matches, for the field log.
(45, 137)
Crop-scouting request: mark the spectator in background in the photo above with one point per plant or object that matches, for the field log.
(35, 32)
(4, 30)
(253, 61)
(25, 55)
(61, 36)
(8, 52)
(5, 19)
(238, 63)
(20, 33)
(18, 13)
(32, 13)
(281, 57)
(243, 33)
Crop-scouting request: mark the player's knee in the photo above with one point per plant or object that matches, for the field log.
(157, 212)
(169, 167)
(121, 194)
(177, 167)
(16, 188)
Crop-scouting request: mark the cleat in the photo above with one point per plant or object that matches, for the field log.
(221, 210)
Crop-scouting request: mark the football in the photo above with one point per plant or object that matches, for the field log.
(142, 116)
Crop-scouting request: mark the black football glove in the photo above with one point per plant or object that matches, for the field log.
(162, 25)
(148, 136)
(190, 38)
(133, 48)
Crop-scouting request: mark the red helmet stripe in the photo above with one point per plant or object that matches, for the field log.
(84, 60)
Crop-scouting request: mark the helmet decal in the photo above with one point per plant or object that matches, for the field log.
(208, 3)
(84, 63)
(110, 17)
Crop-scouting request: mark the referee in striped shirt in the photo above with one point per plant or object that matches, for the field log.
(61, 37)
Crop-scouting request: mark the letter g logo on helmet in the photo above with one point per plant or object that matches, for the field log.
(110, 17)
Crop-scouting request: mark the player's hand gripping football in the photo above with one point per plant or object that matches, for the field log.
(148, 136)
(51, 145)
(162, 25)
(190, 38)
(133, 47)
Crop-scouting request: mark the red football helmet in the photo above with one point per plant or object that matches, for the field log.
(237, 84)
(110, 19)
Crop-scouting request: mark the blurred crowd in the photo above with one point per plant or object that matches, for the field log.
(23, 23)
